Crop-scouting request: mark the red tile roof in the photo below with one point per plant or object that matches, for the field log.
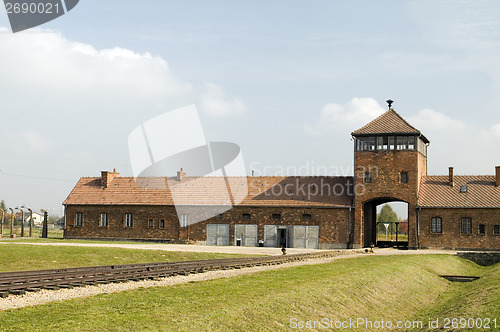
(262, 191)
(435, 191)
(388, 123)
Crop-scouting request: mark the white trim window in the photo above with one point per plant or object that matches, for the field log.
(104, 220)
(128, 220)
(78, 219)
(184, 220)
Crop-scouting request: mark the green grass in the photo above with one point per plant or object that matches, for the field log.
(35, 233)
(22, 257)
(371, 287)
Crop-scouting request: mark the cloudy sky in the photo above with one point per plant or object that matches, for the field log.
(286, 80)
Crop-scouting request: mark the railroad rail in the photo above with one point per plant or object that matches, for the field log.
(19, 282)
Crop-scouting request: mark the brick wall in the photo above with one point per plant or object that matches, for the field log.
(386, 168)
(451, 237)
(333, 222)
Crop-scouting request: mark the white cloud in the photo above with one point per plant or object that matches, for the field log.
(75, 105)
(457, 143)
(215, 102)
(336, 117)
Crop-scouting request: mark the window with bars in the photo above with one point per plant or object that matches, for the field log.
(436, 225)
(104, 220)
(184, 220)
(162, 223)
(151, 223)
(78, 219)
(128, 220)
(466, 226)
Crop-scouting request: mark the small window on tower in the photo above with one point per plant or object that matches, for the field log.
(481, 229)
(368, 177)
(404, 177)
(496, 229)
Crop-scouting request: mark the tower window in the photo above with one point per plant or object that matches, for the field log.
(411, 142)
(390, 139)
(404, 177)
(466, 226)
(368, 177)
(436, 225)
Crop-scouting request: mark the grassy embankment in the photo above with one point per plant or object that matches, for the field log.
(373, 288)
(22, 257)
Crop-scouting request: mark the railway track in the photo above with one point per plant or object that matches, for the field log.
(19, 282)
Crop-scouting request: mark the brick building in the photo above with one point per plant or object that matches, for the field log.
(390, 159)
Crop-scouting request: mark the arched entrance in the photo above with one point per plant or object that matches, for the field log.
(386, 233)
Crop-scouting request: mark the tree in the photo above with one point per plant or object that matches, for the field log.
(2, 205)
(386, 215)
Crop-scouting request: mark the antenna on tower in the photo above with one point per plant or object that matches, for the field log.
(389, 102)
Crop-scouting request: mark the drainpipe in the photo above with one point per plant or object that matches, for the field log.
(351, 229)
(418, 227)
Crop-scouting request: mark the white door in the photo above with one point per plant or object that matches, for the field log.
(247, 234)
(218, 234)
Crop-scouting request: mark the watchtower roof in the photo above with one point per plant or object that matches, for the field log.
(389, 123)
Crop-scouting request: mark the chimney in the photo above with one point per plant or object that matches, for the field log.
(450, 176)
(107, 177)
(180, 175)
(497, 176)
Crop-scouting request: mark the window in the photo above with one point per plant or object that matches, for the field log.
(276, 216)
(128, 220)
(306, 216)
(151, 223)
(391, 142)
(404, 177)
(365, 144)
(246, 216)
(104, 220)
(481, 229)
(466, 226)
(436, 225)
(184, 220)
(463, 189)
(496, 229)
(368, 177)
(218, 216)
(411, 142)
(382, 143)
(78, 219)
(162, 224)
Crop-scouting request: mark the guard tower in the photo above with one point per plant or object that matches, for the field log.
(390, 157)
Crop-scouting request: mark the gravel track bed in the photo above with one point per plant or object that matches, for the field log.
(45, 296)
